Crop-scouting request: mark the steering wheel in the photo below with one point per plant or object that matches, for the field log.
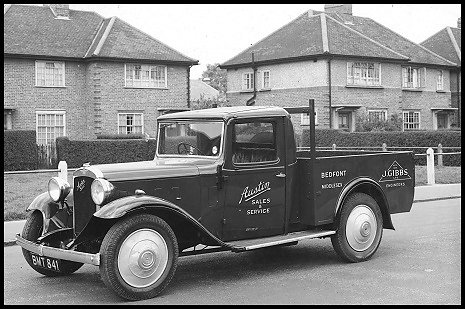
(183, 148)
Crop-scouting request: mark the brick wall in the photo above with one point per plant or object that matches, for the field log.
(93, 95)
(21, 93)
(114, 97)
(313, 75)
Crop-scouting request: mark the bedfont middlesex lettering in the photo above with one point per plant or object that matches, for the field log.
(331, 174)
(249, 194)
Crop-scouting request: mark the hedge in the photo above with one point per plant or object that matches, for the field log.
(328, 137)
(76, 153)
(20, 150)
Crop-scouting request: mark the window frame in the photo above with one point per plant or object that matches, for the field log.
(274, 125)
(44, 62)
(404, 123)
(420, 77)
(363, 80)
(373, 110)
(305, 118)
(149, 82)
(126, 126)
(440, 81)
(245, 81)
(50, 112)
(263, 80)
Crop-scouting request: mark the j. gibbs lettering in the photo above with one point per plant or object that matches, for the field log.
(331, 174)
(247, 194)
(395, 172)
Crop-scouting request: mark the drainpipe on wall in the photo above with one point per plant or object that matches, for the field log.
(458, 100)
(189, 87)
(329, 95)
(251, 101)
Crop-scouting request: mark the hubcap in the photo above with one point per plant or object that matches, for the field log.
(142, 258)
(361, 228)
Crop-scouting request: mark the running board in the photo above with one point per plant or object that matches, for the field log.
(257, 243)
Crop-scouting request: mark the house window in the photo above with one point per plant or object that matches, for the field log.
(377, 115)
(146, 76)
(440, 80)
(411, 120)
(413, 78)
(50, 74)
(247, 81)
(305, 119)
(363, 73)
(130, 123)
(50, 125)
(266, 80)
(7, 119)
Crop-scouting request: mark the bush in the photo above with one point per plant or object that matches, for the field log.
(76, 153)
(20, 150)
(408, 139)
(365, 124)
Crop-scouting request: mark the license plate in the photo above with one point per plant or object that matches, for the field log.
(46, 262)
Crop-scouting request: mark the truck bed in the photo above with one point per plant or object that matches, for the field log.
(393, 172)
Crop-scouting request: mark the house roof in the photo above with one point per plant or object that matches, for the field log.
(315, 34)
(446, 43)
(34, 31)
(199, 88)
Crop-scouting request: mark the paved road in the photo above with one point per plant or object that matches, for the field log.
(419, 263)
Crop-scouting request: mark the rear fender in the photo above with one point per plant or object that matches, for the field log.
(372, 188)
(182, 223)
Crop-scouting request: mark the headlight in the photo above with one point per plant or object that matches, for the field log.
(100, 190)
(58, 189)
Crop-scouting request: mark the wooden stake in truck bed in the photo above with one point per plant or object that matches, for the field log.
(227, 178)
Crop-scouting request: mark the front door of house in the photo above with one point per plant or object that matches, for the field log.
(344, 121)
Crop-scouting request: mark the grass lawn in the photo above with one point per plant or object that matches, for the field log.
(20, 190)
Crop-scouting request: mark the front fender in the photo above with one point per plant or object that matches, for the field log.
(122, 206)
(45, 204)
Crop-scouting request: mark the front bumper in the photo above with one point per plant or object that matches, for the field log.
(62, 254)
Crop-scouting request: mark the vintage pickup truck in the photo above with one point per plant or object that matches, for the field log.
(227, 178)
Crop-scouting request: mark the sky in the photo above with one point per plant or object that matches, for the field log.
(215, 33)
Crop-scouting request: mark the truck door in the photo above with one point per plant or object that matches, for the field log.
(255, 179)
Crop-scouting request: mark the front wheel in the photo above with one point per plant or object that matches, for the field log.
(138, 257)
(32, 230)
(359, 229)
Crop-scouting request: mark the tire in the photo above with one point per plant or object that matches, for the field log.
(32, 230)
(359, 228)
(138, 257)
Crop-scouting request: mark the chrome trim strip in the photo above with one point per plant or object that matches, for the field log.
(283, 241)
(75, 256)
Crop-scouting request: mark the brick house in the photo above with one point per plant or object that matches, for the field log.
(75, 73)
(448, 44)
(352, 66)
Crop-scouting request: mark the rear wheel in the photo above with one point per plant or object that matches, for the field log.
(32, 230)
(138, 257)
(359, 229)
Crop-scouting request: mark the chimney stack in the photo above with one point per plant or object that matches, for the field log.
(59, 10)
(339, 8)
(459, 23)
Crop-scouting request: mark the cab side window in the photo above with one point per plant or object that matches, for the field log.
(254, 142)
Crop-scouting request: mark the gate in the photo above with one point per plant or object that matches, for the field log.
(47, 156)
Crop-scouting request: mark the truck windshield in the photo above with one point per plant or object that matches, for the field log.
(190, 138)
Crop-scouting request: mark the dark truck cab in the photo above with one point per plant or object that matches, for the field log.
(226, 178)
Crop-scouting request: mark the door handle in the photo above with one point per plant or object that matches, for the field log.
(281, 175)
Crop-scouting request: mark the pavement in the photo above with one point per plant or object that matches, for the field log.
(422, 194)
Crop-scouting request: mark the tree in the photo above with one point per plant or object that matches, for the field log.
(216, 78)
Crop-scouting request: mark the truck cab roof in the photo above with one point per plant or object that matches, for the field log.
(226, 113)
